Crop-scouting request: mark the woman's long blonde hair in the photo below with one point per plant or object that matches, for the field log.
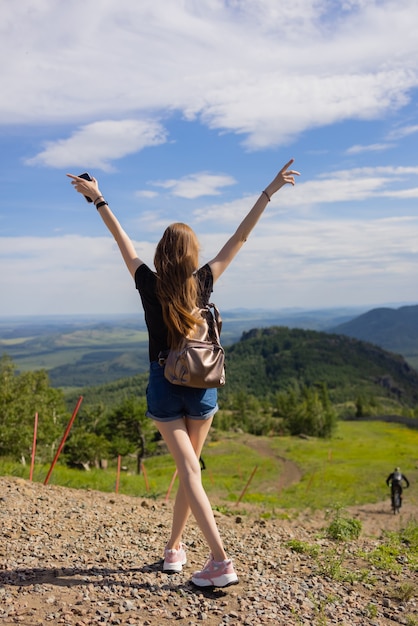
(176, 261)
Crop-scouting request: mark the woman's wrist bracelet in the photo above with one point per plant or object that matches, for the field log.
(98, 198)
(100, 204)
(266, 194)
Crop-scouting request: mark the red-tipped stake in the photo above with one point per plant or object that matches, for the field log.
(171, 486)
(144, 471)
(118, 474)
(60, 447)
(247, 485)
(35, 430)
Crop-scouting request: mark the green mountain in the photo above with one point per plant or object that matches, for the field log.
(395, 330)
(267, 360)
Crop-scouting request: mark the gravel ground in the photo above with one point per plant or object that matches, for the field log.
(84, 558)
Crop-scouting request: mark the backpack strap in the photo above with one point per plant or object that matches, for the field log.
(214, 321)
(216, 316)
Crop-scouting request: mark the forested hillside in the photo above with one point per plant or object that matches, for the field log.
(267, 360)
(279, 380)
(274, 359)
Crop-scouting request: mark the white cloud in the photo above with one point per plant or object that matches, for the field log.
(251, 67)
(312, 263)
(286, 262)
(343, 186)
(355, 185)
(146, 193)
(394, 135)
(225, 213)
(403, 131)
(375, 147)
(68, 274)
(98, 143)
(196, 185)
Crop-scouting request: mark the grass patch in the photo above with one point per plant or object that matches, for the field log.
(405, 592)
(398, 549)
(303, 547)
(329, 562)
(243, 470)
(96, 479)
(339, 465)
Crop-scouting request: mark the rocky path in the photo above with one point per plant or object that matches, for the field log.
(82, 558)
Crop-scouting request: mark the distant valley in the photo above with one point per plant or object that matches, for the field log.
(80, 351)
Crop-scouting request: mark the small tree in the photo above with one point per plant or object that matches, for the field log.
(86, 449)
(130, 431)
(307, 410)
(21, 396)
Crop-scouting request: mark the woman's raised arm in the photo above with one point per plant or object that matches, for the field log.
(91, 189)
(234, 244)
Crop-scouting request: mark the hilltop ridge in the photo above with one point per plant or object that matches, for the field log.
(393, 329)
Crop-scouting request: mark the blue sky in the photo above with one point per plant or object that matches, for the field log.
(184, 111)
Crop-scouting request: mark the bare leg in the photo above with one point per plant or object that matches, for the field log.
(185, 441)
(181, 514)
(198, 432)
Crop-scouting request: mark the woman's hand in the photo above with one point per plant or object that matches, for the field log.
(284, 177)
(234, 244)
(88, 188)
(91, 189)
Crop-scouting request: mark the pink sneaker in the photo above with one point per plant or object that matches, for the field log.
(174, 559)
(216, 574)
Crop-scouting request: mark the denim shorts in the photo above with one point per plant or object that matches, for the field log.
(167, 402)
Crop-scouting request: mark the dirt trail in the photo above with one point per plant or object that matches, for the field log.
(290, 472)
(376, 518)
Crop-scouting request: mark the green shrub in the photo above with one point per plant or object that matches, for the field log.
(342, 527)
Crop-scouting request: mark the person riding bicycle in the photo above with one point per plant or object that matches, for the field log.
(395, 481)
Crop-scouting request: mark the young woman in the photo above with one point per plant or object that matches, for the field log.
(182, 415)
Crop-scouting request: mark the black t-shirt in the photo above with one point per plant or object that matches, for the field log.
(145, 282)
